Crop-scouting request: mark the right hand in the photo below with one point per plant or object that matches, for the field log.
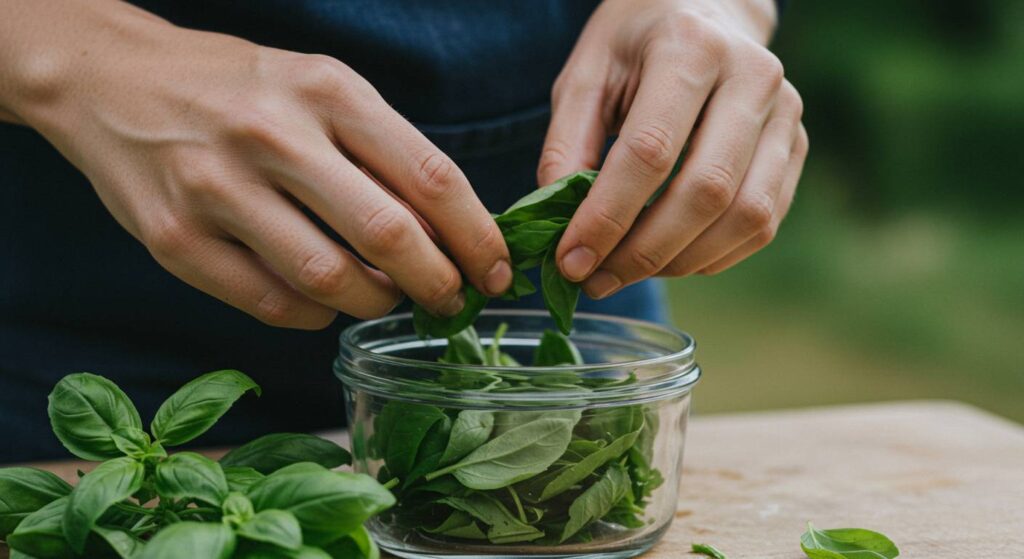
(205, 147)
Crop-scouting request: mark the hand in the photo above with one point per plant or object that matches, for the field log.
(662, 73)
(205, 147)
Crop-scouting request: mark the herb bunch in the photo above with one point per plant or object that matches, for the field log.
(506, 477)
(274, 497)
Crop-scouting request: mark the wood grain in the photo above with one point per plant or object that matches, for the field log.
(942, 479)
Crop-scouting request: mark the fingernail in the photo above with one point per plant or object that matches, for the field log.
(498, 278)
(578, 263)
(454, 306)
(602, 284)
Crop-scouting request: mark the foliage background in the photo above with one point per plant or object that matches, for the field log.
(900, 271)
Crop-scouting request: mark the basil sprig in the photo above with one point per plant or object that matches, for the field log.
(275, 497)
(846, 543)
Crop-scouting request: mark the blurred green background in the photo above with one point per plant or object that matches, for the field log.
(899, 273)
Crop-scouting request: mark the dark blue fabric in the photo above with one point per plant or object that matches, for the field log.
(78, 293)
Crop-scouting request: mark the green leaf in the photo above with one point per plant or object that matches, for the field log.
(559, 199)
(504, 526)
(23, 491)
(240, 478)
(597, 500)
(571, 475)
(560, 294)
(471, 429)
(207, 540)
(521, 286)
(120, 542)
(464, 348)
(357, 545)
(846, 543)
(248, 550)
(40, 535)
(276, 527)
(135, 442)
(85, 410)
(555, 348)
(428, 325)
(187, 475)
(705, 549)
(399, 430)
(459, 524)
(327, 504)
(195, 407)
(428, 457)
(237, 509)
(270, 453)
(517, 454)
(531, 240)
(111, 482)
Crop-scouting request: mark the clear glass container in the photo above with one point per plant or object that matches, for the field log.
(521, 461)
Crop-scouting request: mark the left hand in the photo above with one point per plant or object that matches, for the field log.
(661, 73)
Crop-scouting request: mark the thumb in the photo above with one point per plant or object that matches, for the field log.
(576, 134)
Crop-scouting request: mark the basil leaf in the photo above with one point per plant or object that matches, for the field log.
(504, 526)
(119, 541)
(400, 429)
(428, 457)
(237, 509)
(188, 475)
(40, 535)
(569, 476)
(23, 491)
(327, 504)
(276, 527)
(428, 325)
(191, 539)
(357, 545)
(559, 199)
(555, 348)
(530, 241)
(708, 550)
(136, 443)
(513, 456)
(464, 348)
(85, 410)
(111, 482)
(270, 453)
(560, 294)
(597, 500)
(846, 543)
(264, 551)
(195, 407)
(240, 478)
(471, 429)
(459, 524)
(521, 286)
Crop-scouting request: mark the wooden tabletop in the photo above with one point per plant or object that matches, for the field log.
(943, 480)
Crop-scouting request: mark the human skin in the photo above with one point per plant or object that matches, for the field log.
(659, 74)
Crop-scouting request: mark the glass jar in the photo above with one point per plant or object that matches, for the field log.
(520, 461)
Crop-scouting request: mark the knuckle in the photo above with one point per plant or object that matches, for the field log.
(275, 309)
(386, 229)
(755, 214)
(445, 286)
(318, 72)
(554, 156)
(794, 102)
(437, 177)
(765, 235)
(713, 189)
(802, 144)
(488, 241)
(257, 126)
(647, 261)
(324, 274)
(693, 28)
(608, 222)
(168, 237)
(650, 149)
(768, 67)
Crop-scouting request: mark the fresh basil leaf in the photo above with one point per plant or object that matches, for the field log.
(705, 549)
(428, 325)
(400, 429)
(559, 199)
(570, 475)
(521, 286)
(40, 535)
(247, 550)
(23, 491)
(504, 526)
(327, 504)
(471, 429)
(560, 294)
(428, 457)
(240, 478)
(195, 407)
(459, 524)
(357, 545)
(276, 527)
(187, 475)
(531, 240)
(237, 509)
(513, 456)
(119, 541)
(191, 539)
(555, 348)
(464, 348)
(136, 443)
(846, 543)
(111, 482)
(597, 500)
(85, 410)
(270, 453)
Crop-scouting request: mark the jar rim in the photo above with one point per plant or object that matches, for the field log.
(680, 370)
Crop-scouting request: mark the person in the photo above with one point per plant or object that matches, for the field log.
(311, 163)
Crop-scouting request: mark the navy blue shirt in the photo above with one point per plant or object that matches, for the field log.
(77, 293)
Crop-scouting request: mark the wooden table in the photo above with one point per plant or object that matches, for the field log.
(943, 480)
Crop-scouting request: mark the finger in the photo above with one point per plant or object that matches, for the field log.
(783, 204)
(429, 181)
(419, 218)
(754, 208)
(233, 274)
(377, 226)
(672, 89)
(577, 131)
(310, 261)
(719, 158)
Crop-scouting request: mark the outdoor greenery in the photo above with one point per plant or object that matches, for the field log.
(900, 270)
